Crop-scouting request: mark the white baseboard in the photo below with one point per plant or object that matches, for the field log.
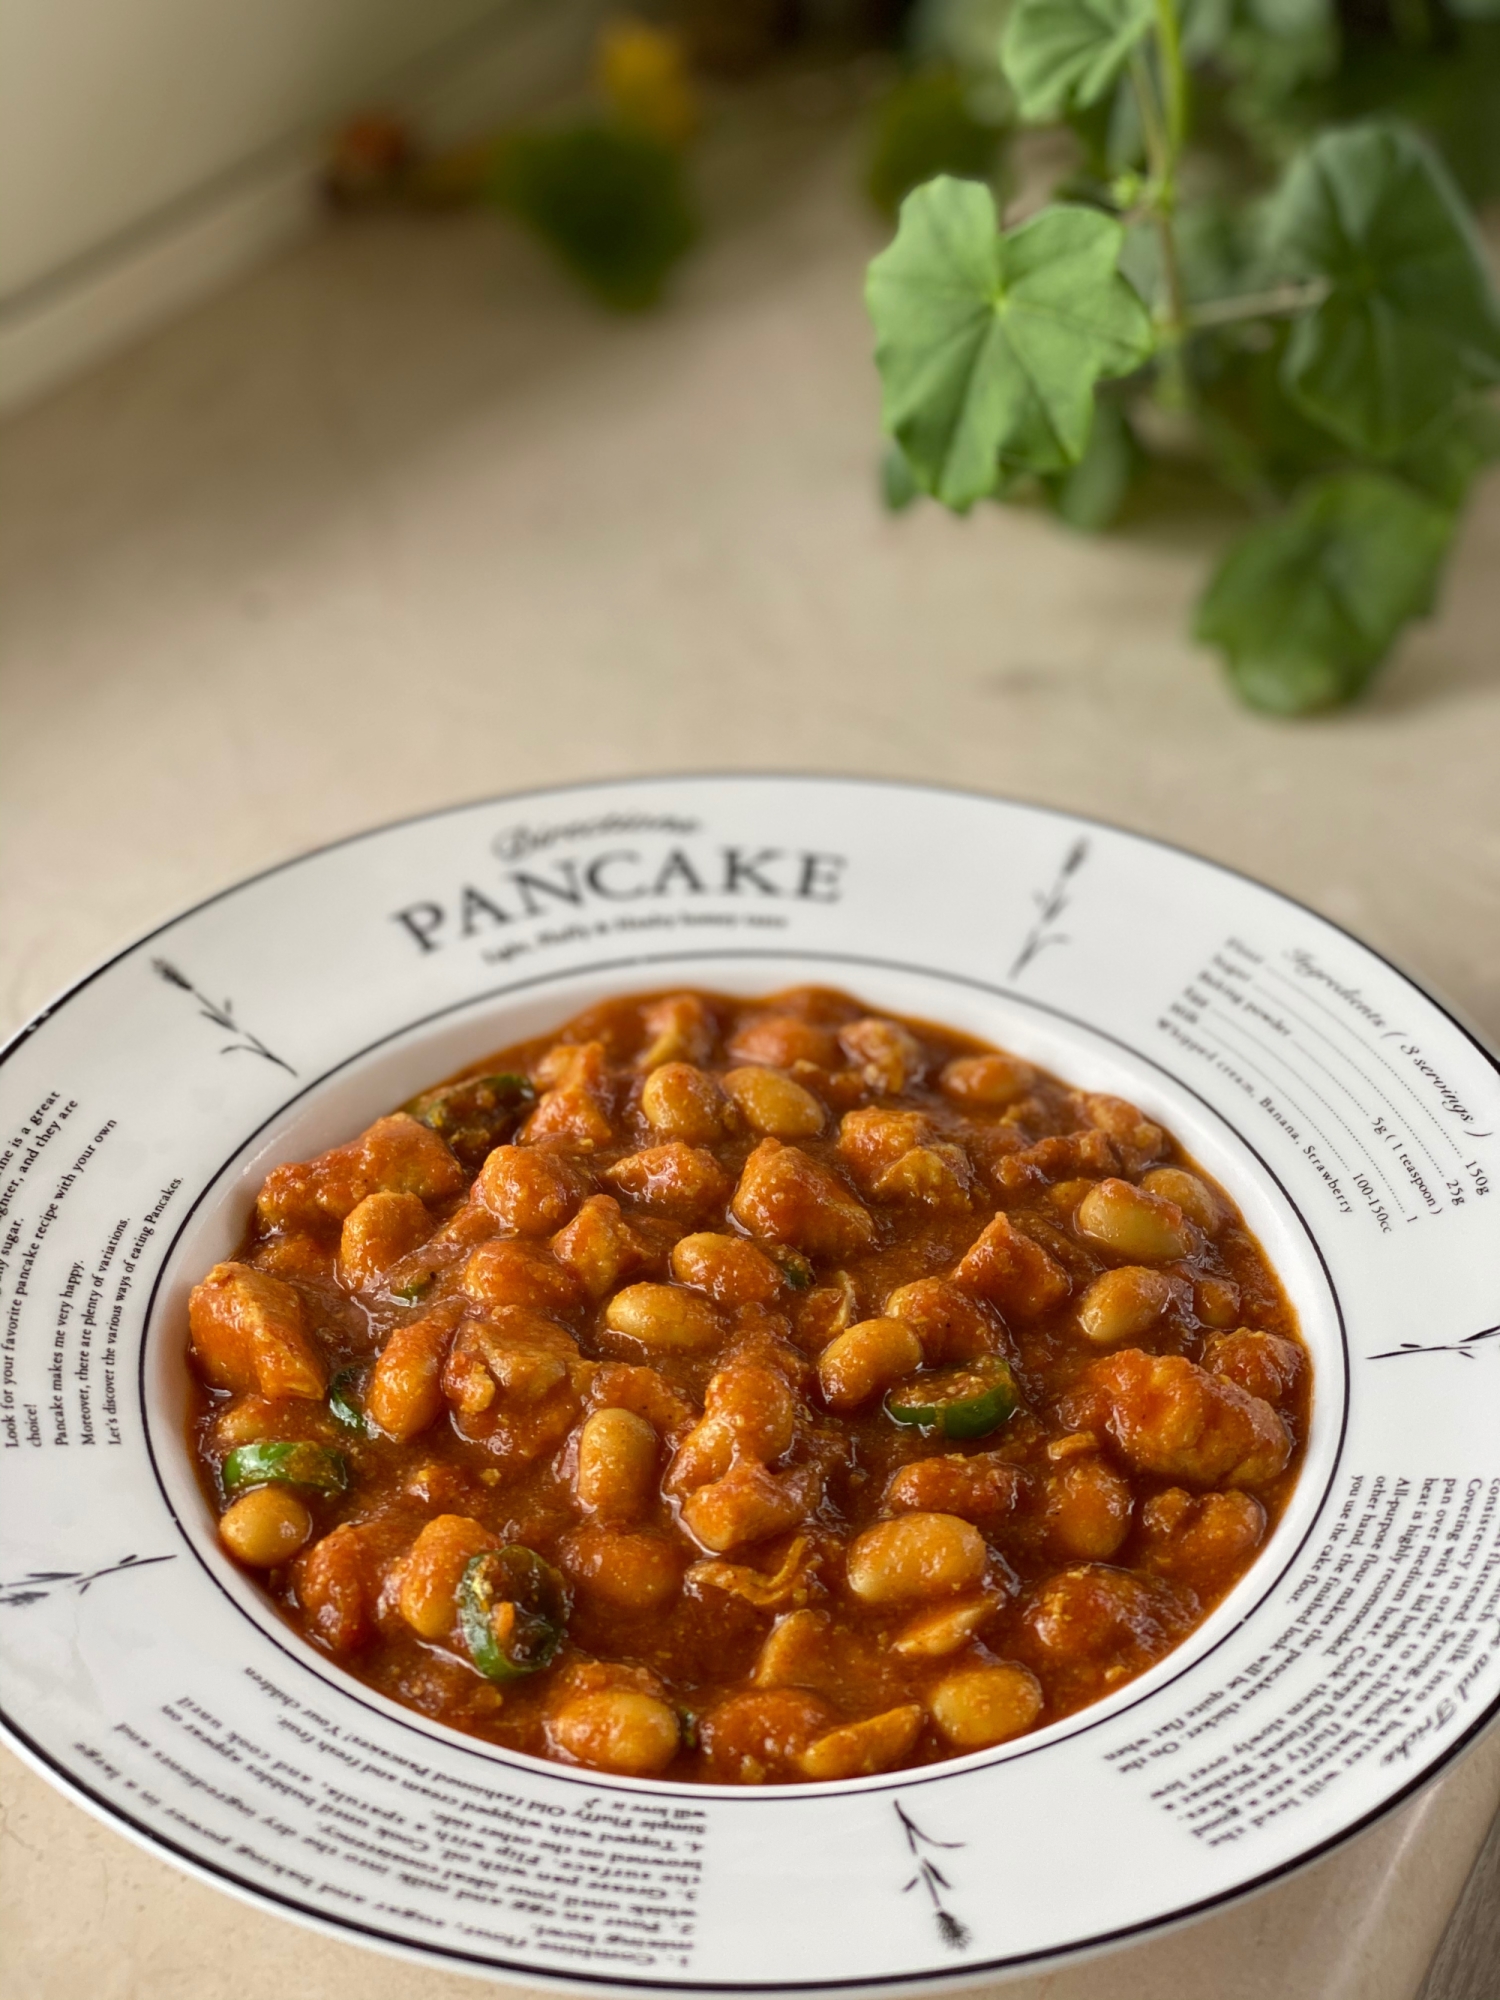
(52, 334)
(145, 277)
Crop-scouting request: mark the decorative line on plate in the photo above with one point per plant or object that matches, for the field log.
(1050, 905)
(42, 1582)
(221, 1016)
(1465, 1347)
(931, 1878)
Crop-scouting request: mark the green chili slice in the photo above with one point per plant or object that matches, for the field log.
(475, 1114)
(345, 1404)
(513, 1611)
(795, 1268)
(965, 1402)
(315, 1466)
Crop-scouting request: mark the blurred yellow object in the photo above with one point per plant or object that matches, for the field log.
(643, 74)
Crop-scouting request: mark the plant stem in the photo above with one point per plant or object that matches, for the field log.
(1281, 302)
(1163, 123)
(1174, 75)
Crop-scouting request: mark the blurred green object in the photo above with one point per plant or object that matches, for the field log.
(1410, 326)
(1306, 606)
(1324, 348)
(898, 483)
(611, 202)
(1065, 55)
(964, 36)
(1090, 494)
(924, 126)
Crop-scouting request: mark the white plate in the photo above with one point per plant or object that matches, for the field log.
(1352, 1118)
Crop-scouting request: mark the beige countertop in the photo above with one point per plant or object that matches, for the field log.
(402, 521)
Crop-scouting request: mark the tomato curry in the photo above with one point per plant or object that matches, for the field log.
(749, 1391)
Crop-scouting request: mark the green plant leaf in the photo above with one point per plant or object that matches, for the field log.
(1063, 55)
(989, 345)
(1411, 325)
(924, 127)
(611, 202)
(898, 487)
(1307, 606)
(1444, 461)
(1090, 494)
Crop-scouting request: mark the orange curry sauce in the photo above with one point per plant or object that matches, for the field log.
(850, 1395)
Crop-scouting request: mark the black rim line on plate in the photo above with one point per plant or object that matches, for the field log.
(1063, 816)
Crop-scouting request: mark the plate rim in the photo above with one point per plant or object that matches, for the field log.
(163, 1846)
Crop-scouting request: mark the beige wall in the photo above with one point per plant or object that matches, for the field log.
(150, 149)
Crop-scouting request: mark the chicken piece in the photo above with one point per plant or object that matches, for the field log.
(516, 1356)
(951, 1325)
(622, 1569)
(874, 1138)
(1127, 1126)
(980, 1487)
(405, 1395)
(897, 1156)
(989, 1081)
(887, 1055)
(827, 1310)
(1065, 1157)
(679, 1028)
(300, 1258)
(377, 1235)
(749, 1504)
(510, 1382)
(531, 1190)
(790, 1198)
(1265, 1364)
(778, 1040)
(938, 1175)
(599, 1246)
(645, 1392)
(1172, 1418)
(505, 1272)
(1012, 1270)
(255, 1419)
(677, 1180)
(574, 1109)
(465, 1230)
(249, 1332)
(763, 1339)
(753, 1737)
(397, 1155)
(1097, 1613)
(749, 1413)
(1200, 1537)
